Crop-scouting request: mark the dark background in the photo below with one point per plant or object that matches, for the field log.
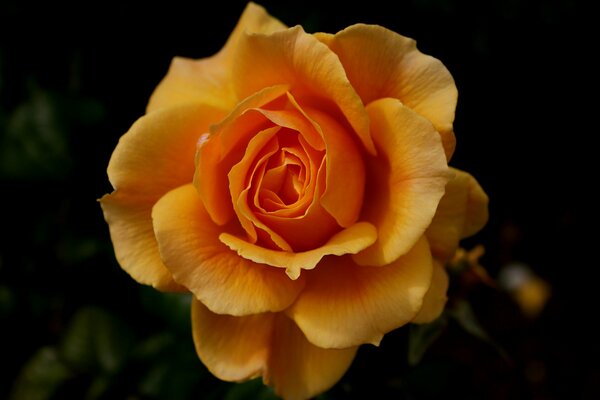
(74, 77)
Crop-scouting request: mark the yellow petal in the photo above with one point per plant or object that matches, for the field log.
(313, 72)
(208, 80)
(381, 63)
(232, 348)
(225, 282)
(298, 369)
(271, 345)
(130, 225)
(462, 212)
(348, 241)
(344, 304)
(436, 297)
(404, 183)
(156, 155)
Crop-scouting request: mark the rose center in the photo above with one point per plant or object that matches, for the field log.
(284, 177)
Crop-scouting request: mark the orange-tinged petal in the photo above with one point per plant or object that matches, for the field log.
(271, 345)
(208, 80)
(344, 304)
(312, 70)
(298, 369)
(345, 185)
(232, 348)
(130, 225)
(381, 63)
(259, 149)
(225, 282)
(348, 241)
(404, 183)
(436, 297)
(154, 156)
(224, 147)
(462, 212)
(311, 229)
(295, 120)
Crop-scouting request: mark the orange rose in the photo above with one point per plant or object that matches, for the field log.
(298, 186)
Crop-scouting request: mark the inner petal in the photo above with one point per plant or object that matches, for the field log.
(241, 177)
(283, 189)
(284, 182)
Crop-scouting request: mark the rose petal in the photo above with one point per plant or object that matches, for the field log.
(436, 297)
(294, 119)
(208, 80)
(404, 183)
(224, 147)
(344, 304)
(238, 348)
(232, 348)
(348, 241)
(313, 72)
(304, 232)
(259, 149)
(345, 164)
(156, 155)
(381, 63)
(131, 231)
(298, 369)
(225, 282)
(462, 212)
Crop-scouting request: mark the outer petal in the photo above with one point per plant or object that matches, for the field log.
(404, 184)
(156, 155)
(346, 305)
(232, 348)
(462, 212)
(225, 282)
(312, 70)
(128, 218)
(208, 80)
(238, 348)
(348, 241)
(381, 63)
(300, 370)
(436, 297)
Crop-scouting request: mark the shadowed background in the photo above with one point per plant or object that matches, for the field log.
(73, 78)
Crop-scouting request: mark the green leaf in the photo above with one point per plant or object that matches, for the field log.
(34, 144)
(154, 346)
(463, 313)
(98, 387)
(153, 381)
(421, 337)
(7, 301)
(41, 376)
(96, 341)
(250, 390)
(173, 308)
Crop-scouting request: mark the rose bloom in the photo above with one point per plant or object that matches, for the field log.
(298, 186)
